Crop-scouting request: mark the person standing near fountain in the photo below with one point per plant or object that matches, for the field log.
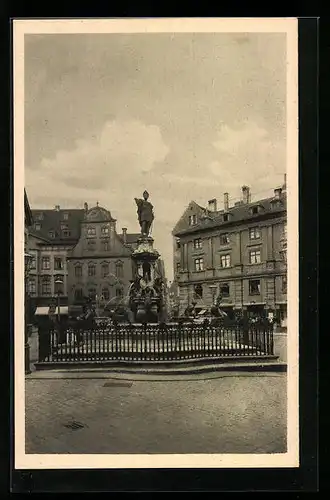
(145, 213)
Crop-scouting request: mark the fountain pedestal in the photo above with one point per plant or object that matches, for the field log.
(146, 294)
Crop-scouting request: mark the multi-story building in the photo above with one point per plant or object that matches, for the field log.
(53, 234)
(238, 252)
(99, 264)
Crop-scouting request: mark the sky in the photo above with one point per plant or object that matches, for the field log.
(186, 116)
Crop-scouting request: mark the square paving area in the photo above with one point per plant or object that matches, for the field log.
(243, 413)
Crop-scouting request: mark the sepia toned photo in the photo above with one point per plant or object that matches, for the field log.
(156, 243)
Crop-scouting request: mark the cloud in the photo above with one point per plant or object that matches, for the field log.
(120, 147)
(246, 154)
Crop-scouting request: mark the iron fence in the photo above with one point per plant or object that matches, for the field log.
(152, 342)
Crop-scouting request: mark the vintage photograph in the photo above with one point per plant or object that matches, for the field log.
(156, 164)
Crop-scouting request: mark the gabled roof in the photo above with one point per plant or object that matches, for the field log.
(51, 221)
(237, 213)
(192, 207)
(27, 211)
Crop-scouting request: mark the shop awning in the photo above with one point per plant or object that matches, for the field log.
(42, 311)
(63, 310)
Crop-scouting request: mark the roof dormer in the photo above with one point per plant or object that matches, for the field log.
(256, 209)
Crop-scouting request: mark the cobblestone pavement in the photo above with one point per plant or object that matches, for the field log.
(227, 414)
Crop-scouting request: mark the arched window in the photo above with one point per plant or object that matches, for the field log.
(78, 294)
(105, 270)
(78, 270)
(119, 269)
(91, 270)
(59, 284)
(105, 293)
(198, 291)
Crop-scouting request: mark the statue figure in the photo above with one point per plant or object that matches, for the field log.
(145, 213)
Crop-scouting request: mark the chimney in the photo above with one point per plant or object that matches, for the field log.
(246, 195)
(284, 185)
(57, 208)
(212, 205)
(124, 230)
(86, 207)
(278, 192)
(226, 201)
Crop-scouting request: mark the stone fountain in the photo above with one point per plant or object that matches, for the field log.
(147, 291)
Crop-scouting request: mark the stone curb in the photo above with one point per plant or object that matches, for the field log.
(217, 371)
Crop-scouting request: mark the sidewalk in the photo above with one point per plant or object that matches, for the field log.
(223, 413)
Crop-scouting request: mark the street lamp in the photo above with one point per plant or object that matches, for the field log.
(27, 263)
(58, 282)
(213, 289)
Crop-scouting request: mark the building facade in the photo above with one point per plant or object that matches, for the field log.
(99, 264)
(238, 252)
(53, 234)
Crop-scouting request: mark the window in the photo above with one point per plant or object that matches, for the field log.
(178, 267)
(105, 270)
(58, 263)
(178, 244)
(51, 234)
(199, 264)
(92, 293)
(255, 256)
(198, 243)
(192, 220)
(91, 231)
(105, 245)
(254, 287)
(46, 288)
(65, 216)
(37, 226)
(284, 284)
(78, 271)
(225, 260)
(39, 216)
(91, 270)
(254, 233)
(64, 226)
(198, 291)
(32, 286)
(33, 263)
(224, 289)
(119, 292)
(119, 269)
(224, 239)
(225, 217)
(66, 233)
(45, 263)
(59, 286)
(78, 294)
(105, 294)
(254, 210)
(104, 231)
(91, 245)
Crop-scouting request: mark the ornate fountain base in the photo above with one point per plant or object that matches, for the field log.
(146, 294)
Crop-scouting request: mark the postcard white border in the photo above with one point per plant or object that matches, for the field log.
(61, 26)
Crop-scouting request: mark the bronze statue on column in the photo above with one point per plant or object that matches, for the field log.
(145, 213)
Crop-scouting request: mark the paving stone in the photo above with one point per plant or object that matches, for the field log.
(219, 415)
